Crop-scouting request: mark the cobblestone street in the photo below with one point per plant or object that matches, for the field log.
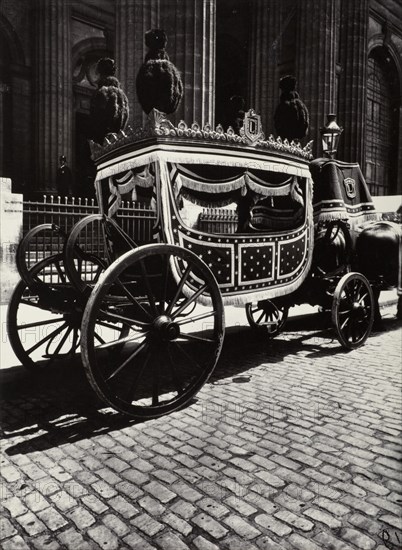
(293, 444)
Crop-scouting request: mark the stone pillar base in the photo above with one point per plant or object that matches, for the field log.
(10, 236)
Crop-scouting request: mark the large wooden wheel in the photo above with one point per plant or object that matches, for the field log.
(171, 348)
(353, 310)
(267, 317)
(43, 241)
(43, 319)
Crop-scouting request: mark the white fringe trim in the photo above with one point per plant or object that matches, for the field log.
(197, 185)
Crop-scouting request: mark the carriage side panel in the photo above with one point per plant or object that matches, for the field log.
(246, 266)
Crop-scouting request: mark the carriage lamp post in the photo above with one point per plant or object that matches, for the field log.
(330, 134)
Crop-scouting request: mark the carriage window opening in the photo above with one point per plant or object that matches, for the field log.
(239, 206)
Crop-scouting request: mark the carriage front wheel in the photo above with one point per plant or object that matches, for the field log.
(353, 310)
(171, 306)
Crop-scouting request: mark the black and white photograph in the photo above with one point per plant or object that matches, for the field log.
(201, 274)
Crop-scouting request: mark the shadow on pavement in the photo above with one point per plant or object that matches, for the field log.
(49, 407)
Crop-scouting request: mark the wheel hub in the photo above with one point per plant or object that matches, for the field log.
(166, 329)
(357, 310)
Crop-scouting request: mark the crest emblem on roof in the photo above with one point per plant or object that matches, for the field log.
(350, 187)
(252, 127)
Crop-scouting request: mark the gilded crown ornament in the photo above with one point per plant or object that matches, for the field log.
(251, 135)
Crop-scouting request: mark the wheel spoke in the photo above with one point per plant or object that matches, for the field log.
(345, 322)
(362, 298)
(120, 341)
(60, 272)
(348, 294)
(62, 341)
(142, 346)
(101, 340)
(176, 381)
(145, 278)
(133, 298)
(349, 331)
(183, 351)
(122, 319)
(109, 326)
(179, 289)
(196, 318)
(189, 301)
(165, 280)
(270, 321)
(137, 376)
(41, 323)
(357, 289)
(52, 335)
(196, 338)
(260, 317)
(76, 341)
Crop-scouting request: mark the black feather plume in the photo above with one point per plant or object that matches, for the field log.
(109, 105)
(291, 116)
(159, 84)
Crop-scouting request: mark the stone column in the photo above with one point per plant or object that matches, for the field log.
(353, 77)
(264, 57)
(133, 19)
(316, 62)
(23, 153)
(53, 96)
(4, 89)
(191, 30)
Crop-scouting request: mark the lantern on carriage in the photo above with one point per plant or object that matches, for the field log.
(330, 134)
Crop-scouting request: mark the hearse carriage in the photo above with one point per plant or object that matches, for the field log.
(149, 319)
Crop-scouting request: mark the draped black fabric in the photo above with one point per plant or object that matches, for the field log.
(331, 182)
(262, 200)
(217, 173)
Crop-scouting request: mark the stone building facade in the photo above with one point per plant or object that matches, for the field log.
(347, 57)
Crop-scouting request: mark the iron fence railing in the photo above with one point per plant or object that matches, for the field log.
(65, 212)
(136, 219)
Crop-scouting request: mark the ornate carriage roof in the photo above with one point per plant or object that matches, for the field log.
(160, 130)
